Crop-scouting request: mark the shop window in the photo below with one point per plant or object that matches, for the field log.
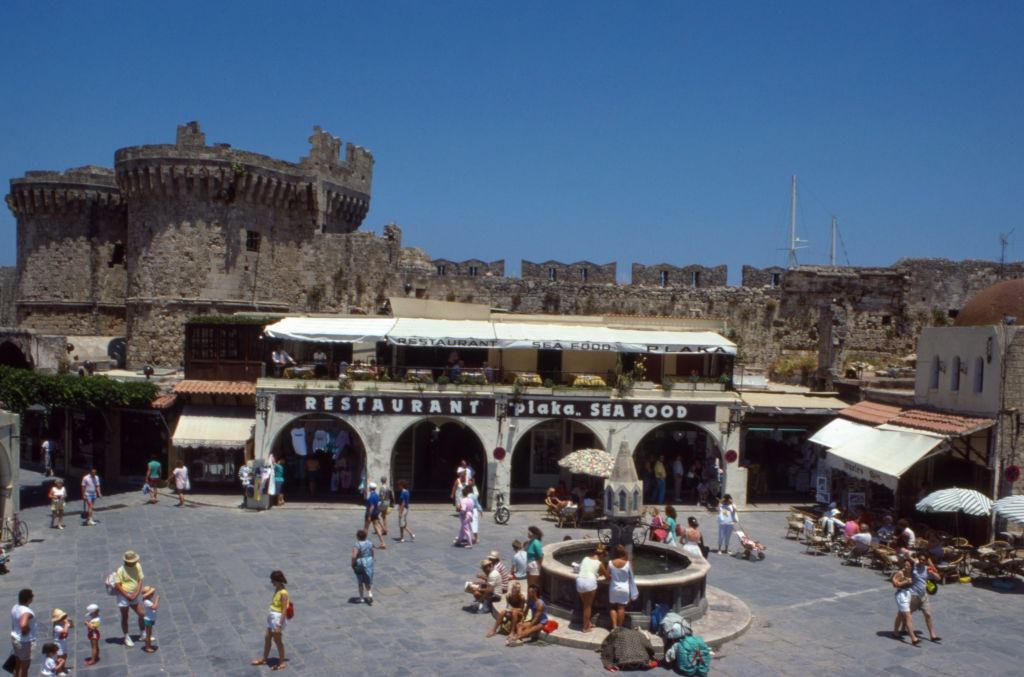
(252, 241)
(979, 374)
(442, 270)
(936, 366)
(552, 274)
(474, 271)
(954, 377)
(663, 278)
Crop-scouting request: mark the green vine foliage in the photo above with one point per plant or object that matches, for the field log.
(22, 388)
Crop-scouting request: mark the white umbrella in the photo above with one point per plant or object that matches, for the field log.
(1011, 508)
(593, 462)
(956, 500)
(967, 501)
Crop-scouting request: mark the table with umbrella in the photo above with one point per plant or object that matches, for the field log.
(956, 500)
(591, 463)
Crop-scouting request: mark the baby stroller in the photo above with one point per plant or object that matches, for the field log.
(753, 550)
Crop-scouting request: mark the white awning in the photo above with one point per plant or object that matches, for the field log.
(421, 332)
(839, 432)
(220, 427)
(883, 454)
(594, 338)
(331, 329)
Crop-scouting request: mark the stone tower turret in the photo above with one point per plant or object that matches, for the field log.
(213, 229)
(71, 251)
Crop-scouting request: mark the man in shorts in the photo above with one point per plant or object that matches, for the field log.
(128, 583)
(153, 472)
(90, 492)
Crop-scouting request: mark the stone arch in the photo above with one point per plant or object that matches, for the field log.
(527, 477)
(691, 441)
(428, 450)
(12, 356)
(304, 478)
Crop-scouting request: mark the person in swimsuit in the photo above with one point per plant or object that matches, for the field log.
(535, 619)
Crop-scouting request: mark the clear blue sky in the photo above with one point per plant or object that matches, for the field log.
(627, 131)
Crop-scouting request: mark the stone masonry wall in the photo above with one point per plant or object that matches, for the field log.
(8, 280)
(585, 272)
(665, 275)
(762, 277)
(469, 268)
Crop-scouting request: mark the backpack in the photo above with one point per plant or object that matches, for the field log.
(674, 627)
(693, 656)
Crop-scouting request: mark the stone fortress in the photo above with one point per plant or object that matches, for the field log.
(179, 230)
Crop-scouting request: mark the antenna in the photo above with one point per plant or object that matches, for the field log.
(794, 241)
(832, 244)
(1004, 242)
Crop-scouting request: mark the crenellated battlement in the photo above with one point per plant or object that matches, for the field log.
(583, 272)
(73, 190)
(667, 275)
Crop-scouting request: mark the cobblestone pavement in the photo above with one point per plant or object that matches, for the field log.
(211, 566)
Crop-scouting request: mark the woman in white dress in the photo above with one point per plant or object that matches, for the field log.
(591, 568)
(622, 586)
(693, 539)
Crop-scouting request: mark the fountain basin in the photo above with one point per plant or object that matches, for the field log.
(683, 589)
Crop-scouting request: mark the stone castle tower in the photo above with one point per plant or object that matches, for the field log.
(186, 229)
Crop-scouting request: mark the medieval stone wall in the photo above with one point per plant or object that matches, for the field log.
(762, 277)
(8, 280)
(585, 272)
(469, 268)
(666, 275)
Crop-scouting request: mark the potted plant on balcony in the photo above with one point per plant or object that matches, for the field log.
(442, 382)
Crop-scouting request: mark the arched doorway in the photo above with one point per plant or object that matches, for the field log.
(694, 447)
(324, 457)
(11, 356)
(536, 455)
(429, 451)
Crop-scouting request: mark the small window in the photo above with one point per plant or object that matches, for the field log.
(979, 374)
(552, 273)
(474, 271)
(442, 270)
(776, 279)
(252, 241)
(886, 320)
(954, 377)
(953, 312)
(663, 278)
(694, 278)
(583, 274)
(936, 365)
(116, 255)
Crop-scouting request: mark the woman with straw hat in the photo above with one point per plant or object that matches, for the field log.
(128, 583)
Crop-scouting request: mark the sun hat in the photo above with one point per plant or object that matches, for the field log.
(494, 555)
(131, 557)
(57, 614)
(486, 562)
(460, 470)
(148, 591)
(92, 608)
(373, 485)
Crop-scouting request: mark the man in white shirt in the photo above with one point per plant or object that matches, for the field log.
(483, 590)
(23, 633)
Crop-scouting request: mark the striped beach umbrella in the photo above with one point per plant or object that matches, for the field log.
(1011, 508)
(955, 499)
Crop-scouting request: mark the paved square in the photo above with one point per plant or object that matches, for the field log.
(812, 615)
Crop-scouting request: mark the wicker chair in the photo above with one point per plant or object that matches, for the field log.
(952, 564)
(857, 553)
(816, 540)
(884, 559)
(794, 525)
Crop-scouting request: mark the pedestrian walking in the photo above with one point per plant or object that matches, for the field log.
(362, 566)
(128, 585)
(387, 499)
(90, 492)
(62, 626)
(92, 625)
(923, 571)
(58, 501)
(276, 622)
(181, 481)
(477, 511)
(457, 486)
(902, 581)
(726, 521)
(23, 632)
(372, 517)
(465, 537)
(660, 475)
(403, 512)
(153, 473)
(534, 555)
(48, 448)
(279, 481)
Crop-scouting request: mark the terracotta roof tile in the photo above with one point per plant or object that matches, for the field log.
(164, 401)
(193, 387)
(874, 413)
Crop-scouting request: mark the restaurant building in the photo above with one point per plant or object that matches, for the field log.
(510, 394)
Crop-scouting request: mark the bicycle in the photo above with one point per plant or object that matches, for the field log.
(15, 531)
(501, 513)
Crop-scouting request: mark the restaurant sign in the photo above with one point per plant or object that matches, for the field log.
(386, 405)
(535, 407)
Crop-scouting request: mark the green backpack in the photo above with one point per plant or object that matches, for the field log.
(693, 656)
